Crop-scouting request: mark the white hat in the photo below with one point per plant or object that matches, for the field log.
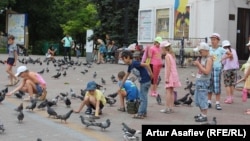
(248, 44)
(20, 70)
(165, 44)
(225, 43)
(215, 35)
(202, 46)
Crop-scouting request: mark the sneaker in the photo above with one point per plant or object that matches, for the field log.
(228, 101)
(218, 107)
(197, 116)
(167, 111)
(201, 119)
(88, 111)
(121, 109)
(209, 105)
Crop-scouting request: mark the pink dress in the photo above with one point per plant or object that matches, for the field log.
(173, 80)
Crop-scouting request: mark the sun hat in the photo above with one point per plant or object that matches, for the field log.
(215, 35)
(158, 39)
(225, 43)
(165, 44)
(20, 70)
(91, 86)
(201, 46)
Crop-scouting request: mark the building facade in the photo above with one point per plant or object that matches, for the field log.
(196, 20)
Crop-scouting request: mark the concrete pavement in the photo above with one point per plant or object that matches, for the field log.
(37, 124)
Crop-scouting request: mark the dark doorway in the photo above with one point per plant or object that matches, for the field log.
(243, 31)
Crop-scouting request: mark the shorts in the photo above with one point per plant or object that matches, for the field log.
(200, 94)
(93, 107)
(39, 89)
(230, 77)
(11, 61)
(215, 80)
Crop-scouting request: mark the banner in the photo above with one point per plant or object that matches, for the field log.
(181, 19)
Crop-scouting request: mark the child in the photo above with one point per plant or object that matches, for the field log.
(11, 61)
(32, 83)
(94, 98)
(204, 65)
(145, 74)
(171, 76)
(230, 67)
(129, 91)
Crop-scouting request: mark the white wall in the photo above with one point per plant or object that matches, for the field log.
(206, 16)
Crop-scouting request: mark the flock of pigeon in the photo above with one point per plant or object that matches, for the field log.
(61, 67)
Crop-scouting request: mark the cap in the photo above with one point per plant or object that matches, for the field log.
(202, 46)
(20, 70)
(215, 35)
(225, 43)
(165, 44)
(91, 86)
(248, 44)
(158, 39)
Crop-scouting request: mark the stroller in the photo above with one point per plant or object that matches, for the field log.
(22, 51)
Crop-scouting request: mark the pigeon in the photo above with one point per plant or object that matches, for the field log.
(43, 104)
(94, 75)
(64, 94)
(67, 101)
(65, 117)
(32, 105)
(188, 101)
(89, 118)
(177, 103)
(64, 73)
(183, 99)
(72, 93)
(19, 108)
(103, 81)
(80, 97)
(2, 96)
(158, 99)
(20, 116)
(83, 72)
(18, 95)
(128, 129)
(213, 122)
(47, 70)
(2, 127)
(189, 86)
(41, 72)
(57, 75)
(6, 90)
(112, 77)
(51, 111)
(159, 80)
(113, 95)
(114, 81)
(187, 81)
(38, 139)
(87, 124)
(105, 124)
(192, 74)
(110, 100)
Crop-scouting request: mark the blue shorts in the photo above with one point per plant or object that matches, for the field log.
(39, 89)
(215, 81)
(10, 61)
(200, 94)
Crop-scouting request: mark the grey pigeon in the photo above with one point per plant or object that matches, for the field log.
(128, 129)
(32, 105)
(41, 72)
(188, 101)
(51, 111)
(43, 104)
(103, 81)
(105, 124)
(20, 116)
(72, 93)
(113, 95)
(2, 96)
(38, 139)
(19, 108)
(65, 116)
(2, 127)
(94, 75)
(64, 73)
(67, 101)
(84, 122)
(212, 122)
(158, 99)
(110, 100)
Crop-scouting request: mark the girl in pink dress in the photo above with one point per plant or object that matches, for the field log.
(171, 76)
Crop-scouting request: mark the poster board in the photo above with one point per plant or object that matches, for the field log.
(145, 25)
(162, 23)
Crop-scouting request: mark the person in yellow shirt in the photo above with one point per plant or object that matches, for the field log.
(94, 99)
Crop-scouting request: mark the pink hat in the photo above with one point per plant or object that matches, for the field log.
(165, 44)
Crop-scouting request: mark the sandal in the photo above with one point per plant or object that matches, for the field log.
(247, 112)
(136, 116)
(121, 109)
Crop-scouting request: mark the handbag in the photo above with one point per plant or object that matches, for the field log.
(133, 106)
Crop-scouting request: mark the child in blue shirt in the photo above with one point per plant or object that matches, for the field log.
(145, 81)
(129, 91)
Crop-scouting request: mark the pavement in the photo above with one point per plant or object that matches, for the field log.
(37, 124)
